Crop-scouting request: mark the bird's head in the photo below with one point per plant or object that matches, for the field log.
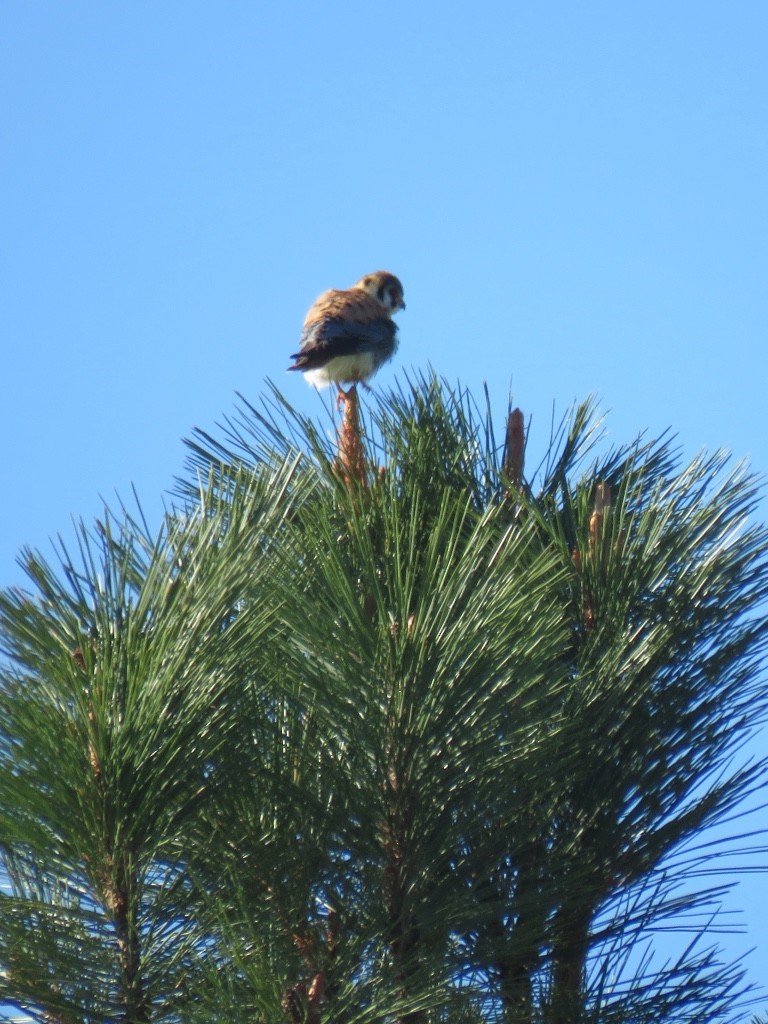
(385, 288)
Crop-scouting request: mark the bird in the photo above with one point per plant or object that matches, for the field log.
(348, 334)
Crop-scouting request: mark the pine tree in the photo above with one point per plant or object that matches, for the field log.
(377, 728)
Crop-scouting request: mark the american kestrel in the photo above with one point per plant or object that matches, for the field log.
(348, 335)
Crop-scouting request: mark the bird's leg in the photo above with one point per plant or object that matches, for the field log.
(360, 380)
(342, 396)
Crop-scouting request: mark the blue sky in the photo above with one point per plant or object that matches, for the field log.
(575, 197)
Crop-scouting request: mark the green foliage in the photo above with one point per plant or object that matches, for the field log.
(429, 747)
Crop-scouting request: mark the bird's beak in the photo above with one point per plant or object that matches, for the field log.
(402, 304)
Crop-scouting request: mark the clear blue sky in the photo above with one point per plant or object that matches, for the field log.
(574, 196)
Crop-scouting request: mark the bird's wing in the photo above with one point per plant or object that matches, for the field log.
(342, 324)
